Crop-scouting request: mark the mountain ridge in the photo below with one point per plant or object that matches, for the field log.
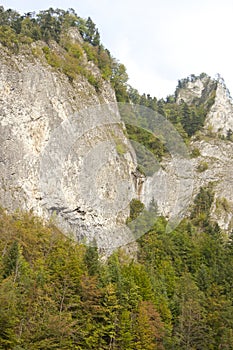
(83, 156)
(71, 72)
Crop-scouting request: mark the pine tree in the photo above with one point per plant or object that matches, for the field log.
(149, 328)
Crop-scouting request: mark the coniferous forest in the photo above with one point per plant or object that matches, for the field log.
(58, 294)
(174, 293)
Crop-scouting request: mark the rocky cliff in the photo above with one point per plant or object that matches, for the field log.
(48, 132)
(214, 161)
(219, 119)
(59, 150)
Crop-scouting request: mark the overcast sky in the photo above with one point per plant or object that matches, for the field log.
(159, 41)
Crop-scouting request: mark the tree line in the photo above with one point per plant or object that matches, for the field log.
(53, 25)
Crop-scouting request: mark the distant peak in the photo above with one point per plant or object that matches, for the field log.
(195, 89)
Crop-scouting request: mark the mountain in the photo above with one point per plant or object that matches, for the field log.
(38, 97)
(210, 147)
(39, 101)
(60, 101)
(83, 153)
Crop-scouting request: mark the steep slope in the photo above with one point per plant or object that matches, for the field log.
(43, 152)
(214, 161)
(37, 100)
(213, 91)
(220, 117)
(65, 152)
(201, 111)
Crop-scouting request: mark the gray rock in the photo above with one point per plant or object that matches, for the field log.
(58, 149)
(64, 154)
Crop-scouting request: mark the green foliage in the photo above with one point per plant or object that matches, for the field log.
(93, 81)
(52, 58)
(126, 337)
(203, 166)
(203, 201)
(30, 29)
(53, 25)
(222, 204)
(192, 330)
(119, 80)
(57, 294)
(91, 259)
(90, 52)
(195, 153)
(187, 118)
(136, 207)
(8, 37)
(74, 49)
(104, 62)
(9, 314)
(91, 33)
(188, 267)
(70, 64)
(11, 260)
(120, 147)
(148, 140)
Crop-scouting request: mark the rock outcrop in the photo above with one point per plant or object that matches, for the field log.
(49, 129)
(62, 140)
(214, 162)
(220, 116)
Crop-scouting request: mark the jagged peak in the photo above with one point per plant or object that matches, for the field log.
(192, 87)
(195, 88)
(221, 83)
(213, 96)
(220, 117)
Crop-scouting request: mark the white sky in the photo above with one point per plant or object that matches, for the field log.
(159, 41)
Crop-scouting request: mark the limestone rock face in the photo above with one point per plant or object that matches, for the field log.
(214, 165)
(218, 157)
(176, 184)
(64, 153)
(220, 117)
(193, 89)
(52, 133)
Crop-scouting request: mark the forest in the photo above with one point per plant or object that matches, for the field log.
(174, 293)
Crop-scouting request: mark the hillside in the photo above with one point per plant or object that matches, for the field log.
(116, 208)
(57, 294)
(56, 79)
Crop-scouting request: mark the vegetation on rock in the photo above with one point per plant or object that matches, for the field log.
(58, 294)
(53, 25)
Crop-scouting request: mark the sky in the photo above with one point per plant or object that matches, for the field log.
(159, 41)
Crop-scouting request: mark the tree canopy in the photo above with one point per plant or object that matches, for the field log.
(58, 294)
